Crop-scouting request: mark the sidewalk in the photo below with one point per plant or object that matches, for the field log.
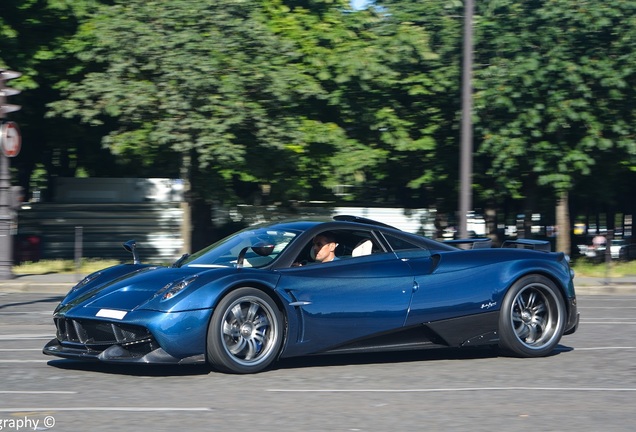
(54, 283)
(592, 286)
(60, 284)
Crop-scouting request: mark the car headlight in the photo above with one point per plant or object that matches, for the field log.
(174, 288)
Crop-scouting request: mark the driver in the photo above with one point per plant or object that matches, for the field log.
(325, 247)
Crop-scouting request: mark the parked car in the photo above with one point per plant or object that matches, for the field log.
(592, 253)
(622, 249)
(258, 295)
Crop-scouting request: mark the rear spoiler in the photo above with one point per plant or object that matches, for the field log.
(540, 245)
(484, 243)
(476, 243)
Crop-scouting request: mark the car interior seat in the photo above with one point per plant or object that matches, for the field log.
(364, 247)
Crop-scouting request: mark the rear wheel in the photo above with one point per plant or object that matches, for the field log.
(532, 317)
(245, 333)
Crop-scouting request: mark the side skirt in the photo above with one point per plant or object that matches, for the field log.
(473, 330)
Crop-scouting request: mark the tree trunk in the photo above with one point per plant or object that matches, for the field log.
(490, 214)
(563, 224)
(186, 205)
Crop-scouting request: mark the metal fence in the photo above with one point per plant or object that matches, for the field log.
(51, 230)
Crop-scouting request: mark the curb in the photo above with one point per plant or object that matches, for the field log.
(608, 289)
(36, 287)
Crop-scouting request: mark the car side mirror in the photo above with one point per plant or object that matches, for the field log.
(131, 246)
(261, 248)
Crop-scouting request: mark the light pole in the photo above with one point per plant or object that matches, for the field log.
(466, 157)
(10, 142)
(6, 241)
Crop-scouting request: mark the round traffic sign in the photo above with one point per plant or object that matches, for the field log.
(10, 139)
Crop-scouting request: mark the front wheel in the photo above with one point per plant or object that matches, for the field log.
(532, 317)
(245, 333)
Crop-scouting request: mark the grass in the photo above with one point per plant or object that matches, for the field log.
(582, 267)
(62, 266)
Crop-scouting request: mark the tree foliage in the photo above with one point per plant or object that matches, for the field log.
(292, 95)
(292, 100)
(556, 97)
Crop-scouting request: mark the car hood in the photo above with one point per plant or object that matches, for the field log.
(125, 289)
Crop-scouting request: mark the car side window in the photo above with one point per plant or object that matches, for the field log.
(360, 243)
(349, 244)
(406, 249)
(400, 244)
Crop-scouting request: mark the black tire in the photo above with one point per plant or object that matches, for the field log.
(532, 318)
(245, 333)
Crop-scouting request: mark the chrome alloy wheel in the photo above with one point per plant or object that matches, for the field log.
(535, 315)
(246, 332)
(532, 317)
(249, 330)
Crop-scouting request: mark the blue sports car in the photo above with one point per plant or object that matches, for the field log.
(348, 285)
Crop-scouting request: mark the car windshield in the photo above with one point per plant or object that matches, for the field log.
(225, 252)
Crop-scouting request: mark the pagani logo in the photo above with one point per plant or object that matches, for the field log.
(488, 305)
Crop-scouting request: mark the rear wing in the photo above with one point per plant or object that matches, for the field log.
(539, 245)
(476, 243)
(485, 243)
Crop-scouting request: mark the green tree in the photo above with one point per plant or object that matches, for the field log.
(206, 80)
(416, 118)
(31, 41)
(362, 62)
(294, 96)
(242, 95)
(556, 97)
(285, 100)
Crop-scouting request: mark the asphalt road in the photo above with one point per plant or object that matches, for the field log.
(588, 384)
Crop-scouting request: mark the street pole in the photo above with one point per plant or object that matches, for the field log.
(6, 240)
(466, 157)
(10, 141)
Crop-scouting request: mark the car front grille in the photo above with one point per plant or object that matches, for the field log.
(98, 335)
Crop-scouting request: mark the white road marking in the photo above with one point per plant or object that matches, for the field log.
(19, 349)
(25, 313)
(603, 348)
(128, 409)
(609, 322)
(25, 337)
(461, 389)
(36, 392)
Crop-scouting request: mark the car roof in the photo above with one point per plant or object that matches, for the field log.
(353, 222)
(337, 221)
